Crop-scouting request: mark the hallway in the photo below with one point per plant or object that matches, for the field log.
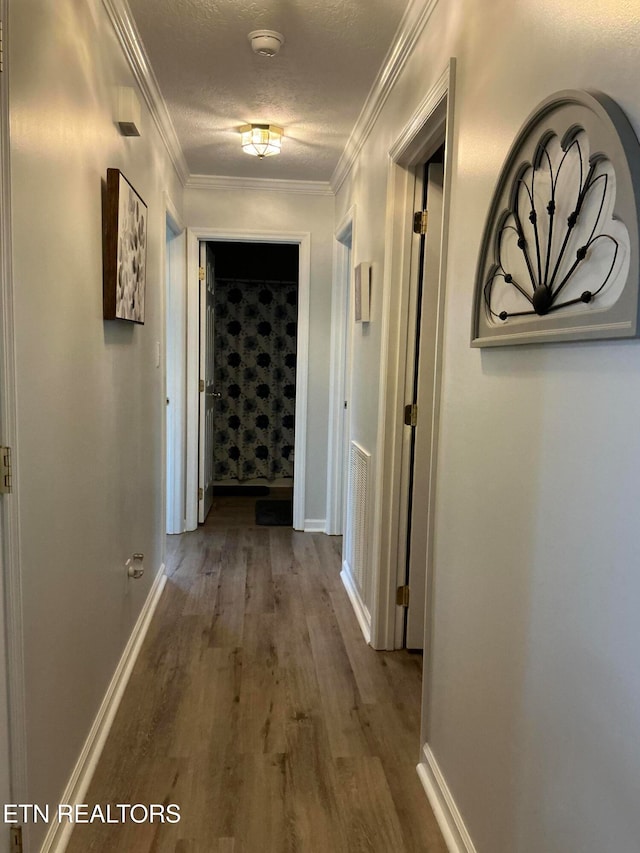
(257, 708)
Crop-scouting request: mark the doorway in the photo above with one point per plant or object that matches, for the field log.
(429, 128)
(248, 361)
(301, 242)
(421, 394)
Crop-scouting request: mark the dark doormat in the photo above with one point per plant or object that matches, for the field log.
(274, 513)
(240, 491)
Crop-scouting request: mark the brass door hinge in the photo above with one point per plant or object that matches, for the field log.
(1, 46)
(411, 415)
(200, 494)
(201, 274)
(6, 471)
(402, 596)
(420, 220)
(201, 385)
(15, 839)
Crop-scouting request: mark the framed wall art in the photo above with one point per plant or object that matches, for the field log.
(125, 251)
(559, 259)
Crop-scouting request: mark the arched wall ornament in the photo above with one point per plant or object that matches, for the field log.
(560, 254)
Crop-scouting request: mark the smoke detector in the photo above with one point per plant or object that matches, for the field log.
(266, 42)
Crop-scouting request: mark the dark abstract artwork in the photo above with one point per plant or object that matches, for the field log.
(125, 251)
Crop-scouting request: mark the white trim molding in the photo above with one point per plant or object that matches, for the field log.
(315, 525)
(228, 182)
(134, 50)
(452, 826)
(172, 214)
(411, 26)
(360, 608)
(303, 241)
(406, 146)
(59, 832)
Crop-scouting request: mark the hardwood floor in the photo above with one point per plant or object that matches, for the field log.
(257, 707)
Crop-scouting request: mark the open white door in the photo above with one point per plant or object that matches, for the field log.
(207, 393)
(421, 514)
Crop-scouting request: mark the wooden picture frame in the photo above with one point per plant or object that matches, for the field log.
(362, 292)
(124, 251)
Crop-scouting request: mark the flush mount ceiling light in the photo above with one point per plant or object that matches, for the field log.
(261, 140)
(266, 42)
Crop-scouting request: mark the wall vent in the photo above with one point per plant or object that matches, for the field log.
(358, 517)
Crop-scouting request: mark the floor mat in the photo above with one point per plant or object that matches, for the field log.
(274, 513)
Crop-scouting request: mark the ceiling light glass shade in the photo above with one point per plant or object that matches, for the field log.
(261, 140)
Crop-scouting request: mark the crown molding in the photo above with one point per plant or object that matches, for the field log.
(131, 43)
(228, 182)
(413, 23)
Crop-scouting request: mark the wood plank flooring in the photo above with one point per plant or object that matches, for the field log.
(257, 707)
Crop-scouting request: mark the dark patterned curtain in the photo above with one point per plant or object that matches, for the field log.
(255, 372)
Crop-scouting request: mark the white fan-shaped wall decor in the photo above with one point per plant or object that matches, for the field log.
(559, 258)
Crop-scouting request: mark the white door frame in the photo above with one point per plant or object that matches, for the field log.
(303, 240)
(422, 380)
(338, 392)
(12, 689)
(175, 346)
(421, 136)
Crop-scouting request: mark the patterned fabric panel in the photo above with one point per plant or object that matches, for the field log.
(255, 371)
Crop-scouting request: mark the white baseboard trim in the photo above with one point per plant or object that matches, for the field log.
(59, 833)
(360, 609)
(315, 525)
(446, 812)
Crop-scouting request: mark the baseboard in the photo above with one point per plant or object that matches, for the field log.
(360, 609)
(446, 812)
(59, 833)
(315, 525)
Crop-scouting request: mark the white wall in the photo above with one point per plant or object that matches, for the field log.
(535, 703)
(264, 210)
(90, 397)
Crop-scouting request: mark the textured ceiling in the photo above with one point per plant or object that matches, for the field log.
(213, 83)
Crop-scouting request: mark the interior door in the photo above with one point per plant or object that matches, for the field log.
(207, 392)
(420, 539)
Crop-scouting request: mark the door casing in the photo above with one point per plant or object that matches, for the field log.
(430, 125)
